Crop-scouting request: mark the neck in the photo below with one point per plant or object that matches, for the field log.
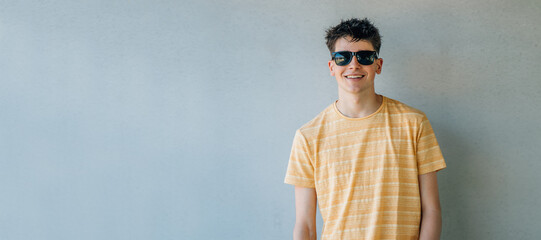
(358, 106)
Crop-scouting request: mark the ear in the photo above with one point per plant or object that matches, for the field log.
(379, 64)
(331, 67)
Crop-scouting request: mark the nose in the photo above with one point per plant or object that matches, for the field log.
(354, 63)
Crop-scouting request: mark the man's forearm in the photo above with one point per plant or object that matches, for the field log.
(304, 233)
(430, 225)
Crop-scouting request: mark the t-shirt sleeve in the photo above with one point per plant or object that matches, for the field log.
(300, 169)
(429, 156)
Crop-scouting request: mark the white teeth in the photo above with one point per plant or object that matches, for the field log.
(354, 76)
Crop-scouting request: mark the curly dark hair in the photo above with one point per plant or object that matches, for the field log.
(357, 30)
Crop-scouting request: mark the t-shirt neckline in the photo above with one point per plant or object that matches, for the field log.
(383, 103)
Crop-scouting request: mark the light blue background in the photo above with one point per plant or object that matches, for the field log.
(174, 119)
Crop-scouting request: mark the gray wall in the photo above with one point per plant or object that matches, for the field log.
(174, 120)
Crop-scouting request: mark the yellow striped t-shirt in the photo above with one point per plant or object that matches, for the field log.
(365, 170)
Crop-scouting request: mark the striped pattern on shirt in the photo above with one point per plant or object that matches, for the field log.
(365, 170)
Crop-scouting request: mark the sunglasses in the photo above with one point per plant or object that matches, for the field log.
(343, 58)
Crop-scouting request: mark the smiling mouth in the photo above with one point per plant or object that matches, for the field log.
(355, 77)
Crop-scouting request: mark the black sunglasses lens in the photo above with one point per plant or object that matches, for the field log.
(366, 57)
(342, 58)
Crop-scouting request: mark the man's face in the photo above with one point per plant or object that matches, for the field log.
(347, 76)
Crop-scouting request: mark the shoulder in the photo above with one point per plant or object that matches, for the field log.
(403, 110)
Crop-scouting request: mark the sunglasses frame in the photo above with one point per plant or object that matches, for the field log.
(359, 55)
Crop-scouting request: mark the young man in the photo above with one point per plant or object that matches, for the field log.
(368, 160)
